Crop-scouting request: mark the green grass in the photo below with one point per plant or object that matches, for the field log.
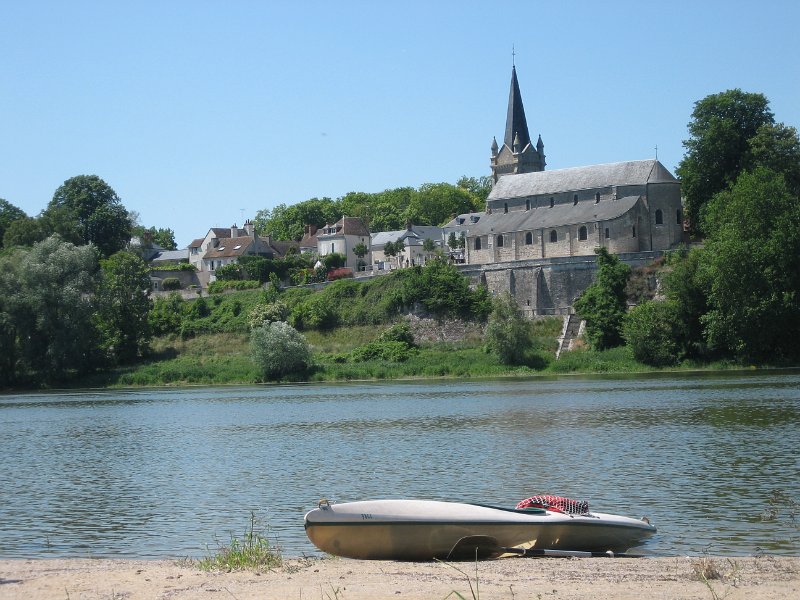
(252, 552)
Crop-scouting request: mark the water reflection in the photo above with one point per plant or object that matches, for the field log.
(162, 472)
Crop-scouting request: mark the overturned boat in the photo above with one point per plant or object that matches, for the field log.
(421, 530)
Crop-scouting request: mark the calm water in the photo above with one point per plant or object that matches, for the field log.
(163, 473)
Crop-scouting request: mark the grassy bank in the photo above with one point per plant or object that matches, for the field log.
(224, 358)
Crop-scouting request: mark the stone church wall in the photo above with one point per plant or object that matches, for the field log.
(545, 286)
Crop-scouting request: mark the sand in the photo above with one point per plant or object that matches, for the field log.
(732, 578)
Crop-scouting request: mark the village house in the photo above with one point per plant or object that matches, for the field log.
(413, 239)
(222, 246)
(342, 237)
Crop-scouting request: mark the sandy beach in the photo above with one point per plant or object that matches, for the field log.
(343, 579)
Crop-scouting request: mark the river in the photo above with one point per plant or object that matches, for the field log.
(154, 473)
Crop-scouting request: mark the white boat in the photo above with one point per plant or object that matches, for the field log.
(428, 529)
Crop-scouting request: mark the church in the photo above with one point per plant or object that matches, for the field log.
(533, 213)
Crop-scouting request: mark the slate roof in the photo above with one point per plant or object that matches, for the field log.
(196, 243)
(171, 256)
(635, 172)
(557, 216)
(516, 124)
(229, 247)
(346, 226)
(415, 236)
(464, 220)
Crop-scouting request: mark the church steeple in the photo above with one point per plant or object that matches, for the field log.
(517, 155)
(516, 124)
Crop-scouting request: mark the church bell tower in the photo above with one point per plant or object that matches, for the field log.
(517, 154)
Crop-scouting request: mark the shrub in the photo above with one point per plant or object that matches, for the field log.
(334, 260)
(231, 272)
(170, 284)
(216, 287)
(508, 334)
(340, 273)
(314, 313)
(166, 314)
(387, 351)
(654, 333)
(279, 350)
(400, 332)
(183, 266)
(268, 313)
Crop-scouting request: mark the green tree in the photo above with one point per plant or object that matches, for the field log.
(46, 310)
(717, 151)
(287, 222)
(279, 351)
(777, 147)
(452, 241)
(360, 250)
(750, 268)
(122, 307)
(24, 232)
(334, 260)
(477, 186)
(443, 290)
(437, 203)
(603, 304)
(86, 210)
(508, 334)
(166, 316)
(684, 287)
(8, 214)
(653, 331)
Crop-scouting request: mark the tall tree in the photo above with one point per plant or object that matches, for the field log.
(751, 268)
(45, 300)
(721, 128)
(8, 214)
(122, 307)
(777, 147)
(86, 210)
(603, 304)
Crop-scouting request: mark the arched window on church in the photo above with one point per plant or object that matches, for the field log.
(500, 241)
(659, 217)
(528, 204)
(552, 202)
(528, 238)
(582, 233)
(574, 199)
(505, 207)
(608, 233)
(634, 231)
(597, 197)
(679, 220)
(477, 243)
(553, 236)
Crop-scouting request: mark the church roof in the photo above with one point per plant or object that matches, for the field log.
(516, 124)
(635, 172)
(557, 216)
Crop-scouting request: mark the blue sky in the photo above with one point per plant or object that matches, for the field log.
(201, 113)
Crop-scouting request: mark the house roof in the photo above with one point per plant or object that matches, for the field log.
(171, 256)
(557, 216)
(196, 243)
(464, 220)
(415, 236)
(635, 172)
(229, 247)
(346, 226)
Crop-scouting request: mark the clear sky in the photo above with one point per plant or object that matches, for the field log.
(199, 113)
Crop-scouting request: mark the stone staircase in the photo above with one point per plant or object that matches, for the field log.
(572, 329)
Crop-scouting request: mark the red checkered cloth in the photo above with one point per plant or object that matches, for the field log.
(556, 504)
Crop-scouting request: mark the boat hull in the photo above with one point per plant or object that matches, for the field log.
(426, 530)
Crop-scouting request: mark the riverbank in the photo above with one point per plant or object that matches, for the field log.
(754, 578)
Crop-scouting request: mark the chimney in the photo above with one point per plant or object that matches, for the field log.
(234, 231)
(249, 228)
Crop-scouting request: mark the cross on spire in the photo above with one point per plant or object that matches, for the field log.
(513, 54)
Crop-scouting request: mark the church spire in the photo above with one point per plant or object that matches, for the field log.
(516, 124)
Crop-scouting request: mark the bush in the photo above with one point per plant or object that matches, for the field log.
(508, 334)
(183, 266)
(171, 284)
(400, 332)
(334, 260)
(386, 351)
(279, 350)
(268, 313)
(314, 313)
(166, 315)
(231, 272)
(654, 333)
(216, 287)
(340, 273)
